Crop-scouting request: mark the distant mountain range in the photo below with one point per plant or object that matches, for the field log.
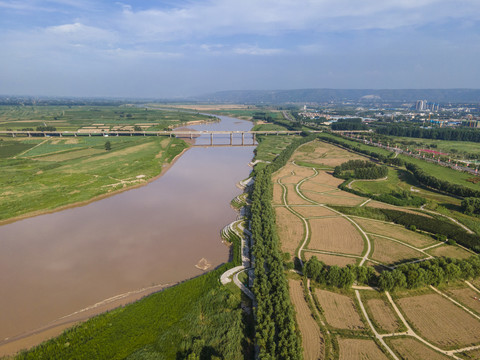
(341, 95)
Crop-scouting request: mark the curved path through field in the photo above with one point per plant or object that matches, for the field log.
(365, 257)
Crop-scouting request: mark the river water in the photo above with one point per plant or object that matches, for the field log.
(57, 264)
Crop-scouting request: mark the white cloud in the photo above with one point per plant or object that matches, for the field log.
(271, 17)
(255, 50)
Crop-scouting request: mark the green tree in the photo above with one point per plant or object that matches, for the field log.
(108, 145)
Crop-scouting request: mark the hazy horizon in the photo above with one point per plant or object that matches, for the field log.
(176, 49)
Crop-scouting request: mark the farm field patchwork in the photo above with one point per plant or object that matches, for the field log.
(312, 338)
(310, 211)
(359, 349)
(339, 310)
(450, 251)
(410, 349)
(395, 231)
(335, 234)
(432, 315)
(290, 229)
(466, 296)
(381, 313)
(391, 252)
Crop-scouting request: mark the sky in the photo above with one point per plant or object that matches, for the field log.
(171, 49)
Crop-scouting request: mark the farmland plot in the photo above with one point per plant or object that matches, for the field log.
(360, 349)
(313, 342)
(391, 252)
(335, 234)
(411, 349)
(339, 310)
(383, 315)
(432, 315)
(290, 230)
(395, 231)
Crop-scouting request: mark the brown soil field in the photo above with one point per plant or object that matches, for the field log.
(290, 230)
(450, 251)
(411, 349)
(467, 297)
(339, 310)
(71, 155)
(313, 342)
(331, 259)
(337, 198)
(311, 211)
(335, 234)
(312, 185)
(293, 198)
(327, 179)
(441, 321)
(284, 171)
(395, 231)
(391, 252)
(383, 315)
(277, 194)
(359, 349)
(471, 355)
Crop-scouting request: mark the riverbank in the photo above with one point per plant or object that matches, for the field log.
(139, 235)
(165, 167)
(76, 181)
(11, 346)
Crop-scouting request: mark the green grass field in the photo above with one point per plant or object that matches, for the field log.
(59, 175)
(69, 118)
(441, 172)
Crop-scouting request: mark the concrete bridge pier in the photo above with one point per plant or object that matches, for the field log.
(254, 138)
(211, 139)
(243, 138)
(231, 138)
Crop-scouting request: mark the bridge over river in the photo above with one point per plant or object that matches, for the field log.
(177, 133)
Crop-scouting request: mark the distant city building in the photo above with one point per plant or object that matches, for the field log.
(421, 105)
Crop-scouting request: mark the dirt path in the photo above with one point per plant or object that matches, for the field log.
(410, 332)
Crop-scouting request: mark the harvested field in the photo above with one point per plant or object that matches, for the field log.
(293, 198)
(383, 315)
(326, 179)
(394, 231)
(335, 234)
(313, 342)
(339, 310)
(312, 211)
(381, 205)
(467, 297)
(331, 259)
(284, 171)
(312, 185)
(391, 252)
(337, 198)
(433, 316)
(450, 251)
(290, 230)
(359, 349)
(471, 355)
(411, 349)
(277, 194)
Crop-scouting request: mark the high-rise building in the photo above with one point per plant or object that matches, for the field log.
(421, 105)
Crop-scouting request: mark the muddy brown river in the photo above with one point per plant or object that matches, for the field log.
(61, 267)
